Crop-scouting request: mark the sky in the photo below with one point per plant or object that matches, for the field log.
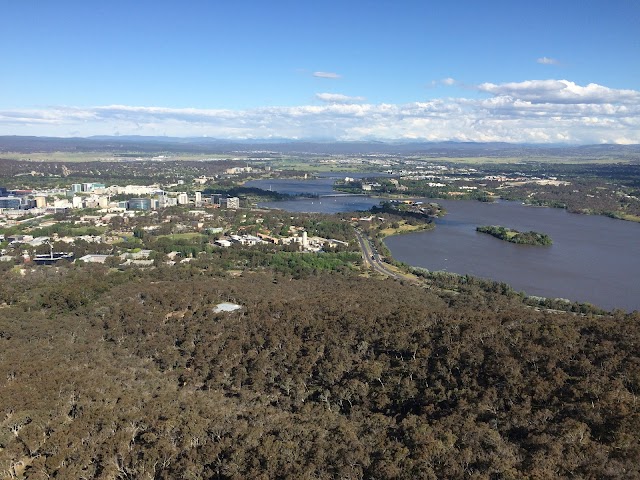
(561, 71)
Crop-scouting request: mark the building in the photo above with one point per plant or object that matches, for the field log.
(53, 257)
(231, 202)
(183, 198)
(76, 187)
(94, 258)
(198, 198)
(41, 202)
(10, 202)
(76, 202)
(216, 198)
(139, 204)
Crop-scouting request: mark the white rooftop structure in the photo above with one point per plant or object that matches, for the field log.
(226, 307)
(94, 258)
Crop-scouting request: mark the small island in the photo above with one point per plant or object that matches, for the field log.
(514, 236)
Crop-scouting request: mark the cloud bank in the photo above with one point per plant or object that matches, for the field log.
(339, 98)
(535, 111)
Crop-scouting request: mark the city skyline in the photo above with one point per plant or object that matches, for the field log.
(553, 72)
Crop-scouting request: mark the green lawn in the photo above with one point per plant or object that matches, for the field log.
(183, 236)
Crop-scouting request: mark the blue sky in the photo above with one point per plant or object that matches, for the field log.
(544, 71)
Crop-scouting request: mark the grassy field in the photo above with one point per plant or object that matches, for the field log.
(629, 217)
(183, 236)
(404, 228)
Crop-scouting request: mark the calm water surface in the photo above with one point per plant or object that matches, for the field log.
(316, 186)
(593, 259)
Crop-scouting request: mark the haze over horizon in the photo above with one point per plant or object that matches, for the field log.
(500, 71)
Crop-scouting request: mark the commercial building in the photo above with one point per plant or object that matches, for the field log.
(94, 258)
(76, 202)
(231, 202)
(216, 198)
(10, 202)
(53, 257)
(139, 204)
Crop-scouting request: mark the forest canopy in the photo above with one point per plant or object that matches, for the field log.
(131, 374)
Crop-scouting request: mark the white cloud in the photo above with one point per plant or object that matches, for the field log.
(330, 75)
(534, 111)
(448, 82)
(548, 61)
(338, 98)
(561, 91)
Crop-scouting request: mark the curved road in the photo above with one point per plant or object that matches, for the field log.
(372, 258)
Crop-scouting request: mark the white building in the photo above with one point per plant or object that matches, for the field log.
(94, 258)
(232, 202)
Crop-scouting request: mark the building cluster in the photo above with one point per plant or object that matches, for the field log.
(297, 236)
(18, 203)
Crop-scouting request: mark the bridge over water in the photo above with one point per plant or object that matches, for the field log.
(343, 195)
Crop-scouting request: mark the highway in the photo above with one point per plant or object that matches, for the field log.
(372, 258)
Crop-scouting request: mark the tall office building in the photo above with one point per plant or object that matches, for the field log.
(139, 204)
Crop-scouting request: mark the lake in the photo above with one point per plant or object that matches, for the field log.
(316, 186)
(593, 259)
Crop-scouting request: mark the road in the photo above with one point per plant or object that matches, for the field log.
(372, 258)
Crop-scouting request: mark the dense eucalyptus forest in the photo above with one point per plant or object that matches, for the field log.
(108, 374)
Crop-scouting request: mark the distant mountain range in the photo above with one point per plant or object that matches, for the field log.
(159, 145)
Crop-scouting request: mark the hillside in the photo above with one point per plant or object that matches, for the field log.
(132, 375)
